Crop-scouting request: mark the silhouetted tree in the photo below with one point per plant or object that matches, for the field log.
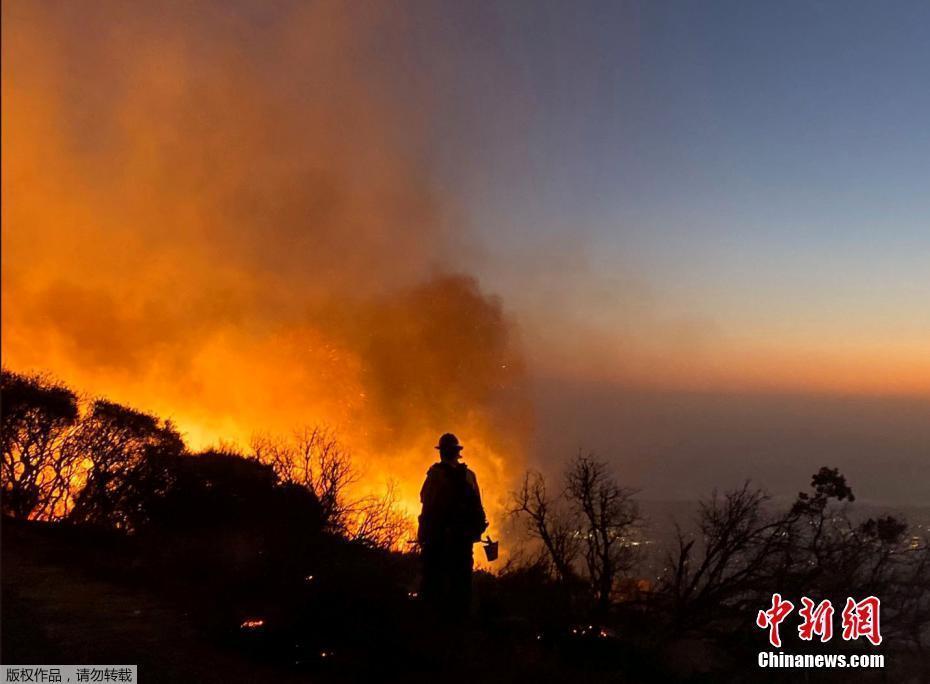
(748, 549)
(37, 419)
(548, 521)
(587, 530)
(741, 547)
(877, 556)
(315, 460)
(608, 516)
(378, 522)
(120, 444)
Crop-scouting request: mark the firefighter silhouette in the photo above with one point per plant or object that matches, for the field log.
(451, 521)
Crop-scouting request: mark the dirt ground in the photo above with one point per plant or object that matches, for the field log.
(51, 613)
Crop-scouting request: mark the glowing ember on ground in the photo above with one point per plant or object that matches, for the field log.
(252, 624)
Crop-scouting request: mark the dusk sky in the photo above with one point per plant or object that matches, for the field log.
(701, 230)
(738, 190)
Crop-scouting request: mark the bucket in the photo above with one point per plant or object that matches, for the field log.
(490, 549)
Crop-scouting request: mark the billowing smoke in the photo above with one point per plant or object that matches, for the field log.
(224, 214)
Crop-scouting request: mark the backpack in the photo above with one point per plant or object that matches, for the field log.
(456, 508)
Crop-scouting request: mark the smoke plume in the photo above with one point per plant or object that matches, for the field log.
(224, 214)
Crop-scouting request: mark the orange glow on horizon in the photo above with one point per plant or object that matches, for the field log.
(751, 366)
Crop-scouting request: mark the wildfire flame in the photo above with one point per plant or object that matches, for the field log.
(245, 245)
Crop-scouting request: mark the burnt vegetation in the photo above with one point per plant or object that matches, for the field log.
(273, 555)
